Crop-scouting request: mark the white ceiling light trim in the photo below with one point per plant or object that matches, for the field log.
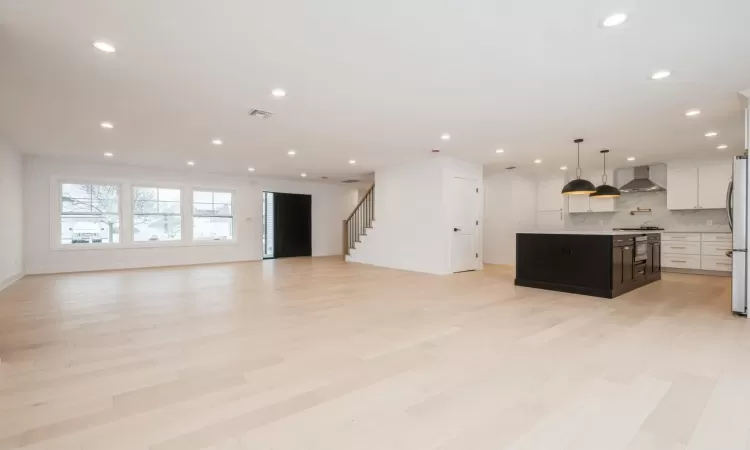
(692, 112)
(614, 20)
(722, 147)
(631, 158)
(303, 175)
(537, 161)
(105, 47)
(352, 161)
(251, 169)
(445, 137)
(291, 152)
(661, 74)
(108, 154)
(191, 163)
(563, 167)
(500, 150)
(278, 93)
(217, 142)
(711, 134)
(107, 125)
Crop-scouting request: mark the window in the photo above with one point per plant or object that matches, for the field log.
(213, 216)
(89, 214)
(156, 214)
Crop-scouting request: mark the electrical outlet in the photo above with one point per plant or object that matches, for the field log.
(709, 222)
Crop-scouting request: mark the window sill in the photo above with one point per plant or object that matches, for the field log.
(137, 245)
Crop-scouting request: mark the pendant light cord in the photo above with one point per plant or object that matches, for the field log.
(604, 174)
(578, 168)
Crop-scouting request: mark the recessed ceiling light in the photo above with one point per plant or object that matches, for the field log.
(538, 161)
(563, 167)
(217, 142)
(614, 20)
(661, 75)
(500, 150)
(291, 152)
(109, 154)
(191, 163)
(692, 112)
(711, 134)
(631, 159)
(303, 174)
(351, 161)
(278, 93)
(251, 169)
(722, 147)
(107, 125)
(445, 137)
(105, 47)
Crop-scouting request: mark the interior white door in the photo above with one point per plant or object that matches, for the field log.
(464, 195)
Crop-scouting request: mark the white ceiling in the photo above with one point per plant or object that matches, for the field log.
(376, 81)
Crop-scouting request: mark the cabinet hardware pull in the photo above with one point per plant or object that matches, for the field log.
(678, 260)
(674, 246)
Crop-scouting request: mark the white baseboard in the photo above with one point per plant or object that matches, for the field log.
(8, 281)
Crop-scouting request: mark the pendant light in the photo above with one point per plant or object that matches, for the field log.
(605, 190)
(579, 186)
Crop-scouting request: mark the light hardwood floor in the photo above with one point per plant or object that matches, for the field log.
(321, 354)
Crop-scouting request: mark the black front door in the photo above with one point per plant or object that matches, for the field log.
(292, 225)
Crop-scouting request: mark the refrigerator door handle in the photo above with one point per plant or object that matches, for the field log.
(730, 188)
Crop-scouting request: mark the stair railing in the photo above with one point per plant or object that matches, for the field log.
(356, 225)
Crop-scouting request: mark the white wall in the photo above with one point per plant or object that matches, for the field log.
(509, 207)
(412, 226)
(41, 176)
(11, 216)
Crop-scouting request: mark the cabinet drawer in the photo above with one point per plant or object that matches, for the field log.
(681, 261)
(715, 248)
(716, 237)
(721, 263)
(681, 237)
(681, 248)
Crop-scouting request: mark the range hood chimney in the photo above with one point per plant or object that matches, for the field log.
(641, 182)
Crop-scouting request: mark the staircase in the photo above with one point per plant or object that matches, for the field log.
(359, 221)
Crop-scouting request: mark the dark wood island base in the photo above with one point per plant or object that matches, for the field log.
(606, 264)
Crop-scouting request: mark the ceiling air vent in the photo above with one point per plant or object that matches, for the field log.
(260, 113)
(350, 181)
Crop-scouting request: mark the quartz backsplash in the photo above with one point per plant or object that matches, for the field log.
(688, 220)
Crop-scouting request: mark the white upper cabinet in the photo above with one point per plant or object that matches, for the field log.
(713, 182)
(578, 204)
(698, 185)
(682, 187)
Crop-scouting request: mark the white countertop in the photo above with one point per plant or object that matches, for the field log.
(593, 233)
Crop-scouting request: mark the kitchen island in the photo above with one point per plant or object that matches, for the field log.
(598, 263)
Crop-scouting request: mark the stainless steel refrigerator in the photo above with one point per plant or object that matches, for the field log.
(737, 208)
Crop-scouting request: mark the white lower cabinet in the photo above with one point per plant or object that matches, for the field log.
(699, 251)
(681, 261)
(720, 263)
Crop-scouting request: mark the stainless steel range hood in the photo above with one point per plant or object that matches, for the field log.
(641, 182)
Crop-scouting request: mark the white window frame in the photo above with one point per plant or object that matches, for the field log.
(56, 216)
(182, 242)
(235, 227)
(125, 213)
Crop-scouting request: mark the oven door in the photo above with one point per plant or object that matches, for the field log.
(641, 250)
